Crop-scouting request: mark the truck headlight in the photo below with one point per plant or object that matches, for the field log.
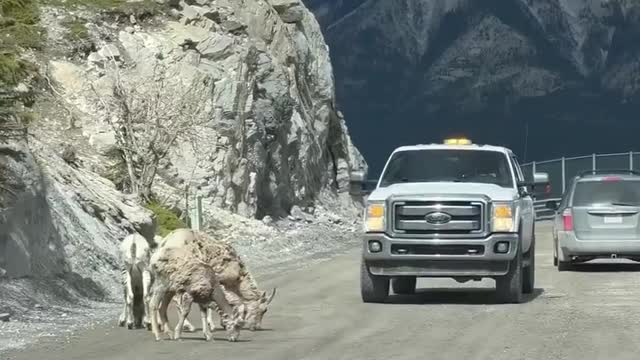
(374, 217)
(502, 218)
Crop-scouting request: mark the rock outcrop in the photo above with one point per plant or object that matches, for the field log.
(58, 222)
(421, 70)
(274, 138)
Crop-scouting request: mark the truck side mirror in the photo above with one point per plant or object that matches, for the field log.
(359, 186)
(540, 179)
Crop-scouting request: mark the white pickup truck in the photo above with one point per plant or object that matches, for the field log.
(456, 210)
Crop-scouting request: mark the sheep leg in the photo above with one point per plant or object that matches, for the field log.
(159, 319)
(163, 314)
(157, 295)
(146, 287)
(129, 301)
(207, 332)
(187, 324)
(226, 311)
(210, 322)
(123, 316)
(183, 311)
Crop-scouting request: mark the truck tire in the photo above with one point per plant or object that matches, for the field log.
(373, 289)
(509, 286)
(404, 285)
(529, 272)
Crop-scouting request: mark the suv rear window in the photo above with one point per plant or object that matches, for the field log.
(603, 192)
(483, 166)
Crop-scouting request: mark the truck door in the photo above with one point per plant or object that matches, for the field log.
(526, 206)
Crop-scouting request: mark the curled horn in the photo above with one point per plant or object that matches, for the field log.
(273, 293)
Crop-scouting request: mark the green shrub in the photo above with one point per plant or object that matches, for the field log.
(19, 30)
(166, 219)
(123, 5)
(77, 29)
(27, 117)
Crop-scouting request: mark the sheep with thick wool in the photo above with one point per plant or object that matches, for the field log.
(239, 286)
(183, 273)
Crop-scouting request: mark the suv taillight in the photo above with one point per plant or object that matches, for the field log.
(567, 220)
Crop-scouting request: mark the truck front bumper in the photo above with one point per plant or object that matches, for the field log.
(439, 257)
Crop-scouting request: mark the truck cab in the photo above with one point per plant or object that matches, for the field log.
(457, 210)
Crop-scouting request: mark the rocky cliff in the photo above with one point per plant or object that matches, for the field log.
(273, 137)
(419, 70)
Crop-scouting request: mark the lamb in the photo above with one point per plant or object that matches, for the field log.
(136, 280)
(238, 284)
(181, 272)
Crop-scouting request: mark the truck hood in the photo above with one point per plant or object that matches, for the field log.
(493, 192)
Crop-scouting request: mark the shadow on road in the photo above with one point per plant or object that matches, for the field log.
(465, 296)
(605, 267)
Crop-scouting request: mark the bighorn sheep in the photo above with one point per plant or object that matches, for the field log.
(181, 272)
(135, 253)
(238, 284)
(136, 280)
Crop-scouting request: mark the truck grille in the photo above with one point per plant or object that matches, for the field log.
(438, 217)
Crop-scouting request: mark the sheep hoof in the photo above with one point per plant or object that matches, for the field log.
(129, 325)
(121, 323)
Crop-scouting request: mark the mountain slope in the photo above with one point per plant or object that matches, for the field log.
(415, 71)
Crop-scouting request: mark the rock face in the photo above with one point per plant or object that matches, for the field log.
(60, 222)
(274, 138)
(421, 70)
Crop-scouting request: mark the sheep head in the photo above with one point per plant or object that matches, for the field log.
(235, 323)
(256, 310)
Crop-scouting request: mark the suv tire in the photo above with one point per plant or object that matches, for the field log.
(404, 285)
(373, 288)
(509, 286)
(564, 265)
(529, 272)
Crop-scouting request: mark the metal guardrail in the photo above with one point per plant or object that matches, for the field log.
(542, 213)
(562, 170)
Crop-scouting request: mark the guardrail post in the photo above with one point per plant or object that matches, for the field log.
(196, 214)
(563, 174)
(631, 160)
(593, 162)
(533, 168)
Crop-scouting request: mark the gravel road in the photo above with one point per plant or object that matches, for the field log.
(589, 313)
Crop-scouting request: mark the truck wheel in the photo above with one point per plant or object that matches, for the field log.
(404, 285)
(373, 289)
(529, 272)
(509, 286)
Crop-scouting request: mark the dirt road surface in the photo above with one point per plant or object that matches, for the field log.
(590, 313)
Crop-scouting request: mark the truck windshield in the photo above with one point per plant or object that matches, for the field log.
(487, 167)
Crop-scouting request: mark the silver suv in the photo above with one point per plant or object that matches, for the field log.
(598, 217)
(457, 210)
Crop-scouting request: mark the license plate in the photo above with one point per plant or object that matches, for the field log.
(613, 219)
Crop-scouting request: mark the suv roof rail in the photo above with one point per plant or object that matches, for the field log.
(608, 171)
